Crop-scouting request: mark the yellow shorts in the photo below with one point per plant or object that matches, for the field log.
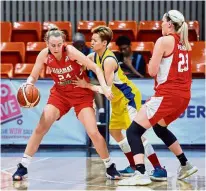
(123, 113)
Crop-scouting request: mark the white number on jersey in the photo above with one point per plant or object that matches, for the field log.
(61, 77)
(183, 63)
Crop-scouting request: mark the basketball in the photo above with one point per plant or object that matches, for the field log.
(28, 96)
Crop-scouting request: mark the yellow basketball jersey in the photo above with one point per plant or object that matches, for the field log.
(122, 86)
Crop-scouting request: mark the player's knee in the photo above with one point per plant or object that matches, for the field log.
(165, 134)
(94, 134)
(135, 130)
(116, 134)
(159, 130)
(41, 130)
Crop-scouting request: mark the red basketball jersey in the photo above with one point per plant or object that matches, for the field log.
(65, 70)
(174, 76)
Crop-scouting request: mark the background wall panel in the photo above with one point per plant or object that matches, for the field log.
(100, 10)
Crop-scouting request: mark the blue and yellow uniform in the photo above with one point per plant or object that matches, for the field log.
(127, 97)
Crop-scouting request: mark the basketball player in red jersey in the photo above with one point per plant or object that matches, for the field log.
(66, 63)
(170, 65)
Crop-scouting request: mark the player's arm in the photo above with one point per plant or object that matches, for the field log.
(39, 64)
(157, 55)
(74, 54)
(82, 83)
(110, 66)
(91, 56)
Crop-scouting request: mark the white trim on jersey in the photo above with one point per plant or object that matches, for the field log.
(164, 70)
(152, 106)
(117, 79)
(132, 112)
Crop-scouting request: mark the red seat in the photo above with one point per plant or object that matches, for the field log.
(149, 31)
(7, 70)
(113, 47)
(198, 58)
(26, 32)
(65, 26)
(6, 29)
(144, 48)
(23, 70)
(85, 28)
(32, 50)
(194, 30)
(126, 28)
(12, 52)
(88, 44)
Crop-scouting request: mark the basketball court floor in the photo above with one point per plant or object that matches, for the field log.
(83, 170)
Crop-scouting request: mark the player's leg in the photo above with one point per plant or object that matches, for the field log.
(134, 134)
(124, 146)
(48, 117)
(132, 109)
(161, 129)
(159, 173)
(118, 122)
(98, 141)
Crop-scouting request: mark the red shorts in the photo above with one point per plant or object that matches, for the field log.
(64, 101)
(167, 107)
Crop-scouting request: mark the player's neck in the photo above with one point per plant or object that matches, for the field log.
(101, 52)
(58, 57)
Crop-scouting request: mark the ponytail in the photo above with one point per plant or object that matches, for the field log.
(183, 32)
(180, 26)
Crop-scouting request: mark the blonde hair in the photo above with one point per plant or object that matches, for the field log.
(180, 26)
(104, 32)
(53, 30)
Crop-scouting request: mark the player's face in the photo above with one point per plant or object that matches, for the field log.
(125, 50)
(55, 45)
(97, 43)
(165, 26)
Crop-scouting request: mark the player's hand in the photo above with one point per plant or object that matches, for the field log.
(24, 84)
(108, 92)
(82, 83)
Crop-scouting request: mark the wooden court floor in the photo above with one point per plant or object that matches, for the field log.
(88, 173)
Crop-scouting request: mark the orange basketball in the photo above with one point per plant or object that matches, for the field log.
(28, 96)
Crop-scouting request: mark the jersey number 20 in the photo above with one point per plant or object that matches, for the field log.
(183, 63)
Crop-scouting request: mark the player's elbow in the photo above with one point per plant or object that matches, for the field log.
(152, 71)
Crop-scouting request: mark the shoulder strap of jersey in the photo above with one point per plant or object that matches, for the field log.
(115, 60)
(95, 57)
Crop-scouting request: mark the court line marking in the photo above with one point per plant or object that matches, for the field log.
(31, 163)
(70, 182)
(59, 182)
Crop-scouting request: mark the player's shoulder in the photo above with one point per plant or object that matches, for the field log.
(91, 56)
(164, 42)
(44, 52)
(110, 59)
(166, 39)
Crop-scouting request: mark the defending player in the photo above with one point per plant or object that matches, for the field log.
(126, 101)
